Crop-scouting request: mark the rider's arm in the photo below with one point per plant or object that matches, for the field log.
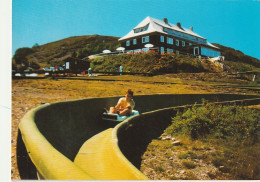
(119, 104)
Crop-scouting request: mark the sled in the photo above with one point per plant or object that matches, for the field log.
(116, 117)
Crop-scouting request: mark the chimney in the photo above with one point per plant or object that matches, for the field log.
(165, 20)
(179, 24)
(191, 28)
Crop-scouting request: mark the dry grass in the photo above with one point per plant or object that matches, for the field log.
(205, 158)
(183, 162)
(27, 94)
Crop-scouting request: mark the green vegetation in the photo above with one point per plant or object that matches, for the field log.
(189, 164)
(234, 67)
(21, 59)
(55, 52)
(152, 63)
(234, 132)
(223, 122)
(217, 142)
(236, 60)
(182, 156)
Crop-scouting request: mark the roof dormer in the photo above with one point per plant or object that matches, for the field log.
(141, 29)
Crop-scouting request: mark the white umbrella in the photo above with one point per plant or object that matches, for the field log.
(106, 51)
(120, 49)
(148, 45)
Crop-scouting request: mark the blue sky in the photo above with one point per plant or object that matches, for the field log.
(232, 23)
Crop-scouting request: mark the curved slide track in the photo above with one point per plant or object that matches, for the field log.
(70, 141)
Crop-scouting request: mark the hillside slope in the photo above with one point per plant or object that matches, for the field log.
(54, 53)
(236, 60)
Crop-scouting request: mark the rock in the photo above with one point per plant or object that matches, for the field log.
(182, 171)
(176, 143)
(168, 137)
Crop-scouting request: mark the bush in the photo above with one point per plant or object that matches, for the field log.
(183, 156)
(235, 67)
(189, 164)
(223, 122)
(150, 63)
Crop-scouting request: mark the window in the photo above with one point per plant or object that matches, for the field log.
(141, 29)
(183, 43)
(169, 40)
(145, 39)
(169, 50)
(134, 41)
(177, 42)
(177, 52)
(162, 50)
(162, 38)
(128, 43)
(190, 44)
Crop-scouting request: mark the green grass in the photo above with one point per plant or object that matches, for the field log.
(152, 63)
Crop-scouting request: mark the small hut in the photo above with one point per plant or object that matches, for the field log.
(76, 65)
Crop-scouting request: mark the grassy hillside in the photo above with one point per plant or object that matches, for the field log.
(80, 46)
(152, 63)
(54, 53)
(236, 60)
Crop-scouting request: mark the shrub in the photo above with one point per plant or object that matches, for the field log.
(182, 156)
(150, 63)
(234, 67)
(189, 164)
(239, 123)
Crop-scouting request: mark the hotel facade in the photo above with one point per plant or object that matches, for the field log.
(167, 38)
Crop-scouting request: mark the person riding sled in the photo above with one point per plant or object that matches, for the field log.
(125, 105)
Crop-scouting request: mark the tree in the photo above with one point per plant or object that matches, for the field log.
(34, 65)
(21, 54)
(35, 45)
(74, 54)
